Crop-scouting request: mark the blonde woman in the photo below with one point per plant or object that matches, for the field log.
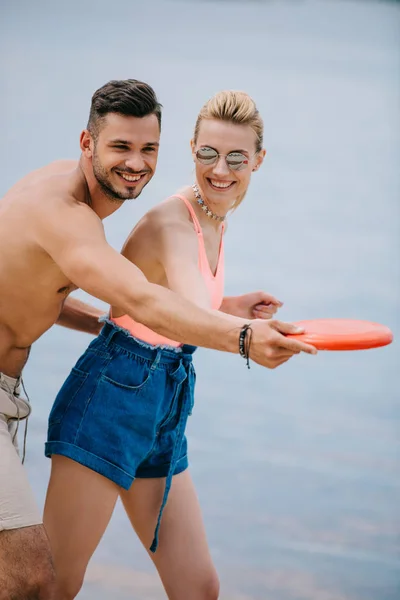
(117, 427)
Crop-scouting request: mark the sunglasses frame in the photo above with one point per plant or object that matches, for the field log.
(243, 165)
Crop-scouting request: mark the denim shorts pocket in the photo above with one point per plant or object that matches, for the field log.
(71, 387)
(128, 374)
(115, 414)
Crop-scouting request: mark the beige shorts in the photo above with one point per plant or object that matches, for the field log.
(18, 507)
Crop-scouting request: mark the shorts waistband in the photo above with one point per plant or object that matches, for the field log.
(16, 408)
(11, 385)
(112, 333)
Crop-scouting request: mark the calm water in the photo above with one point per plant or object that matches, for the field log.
(297, 469)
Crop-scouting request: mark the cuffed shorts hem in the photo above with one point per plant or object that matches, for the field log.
(107, 469)
(91, 461)
(162, 470)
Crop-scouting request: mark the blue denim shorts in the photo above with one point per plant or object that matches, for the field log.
(123, 409)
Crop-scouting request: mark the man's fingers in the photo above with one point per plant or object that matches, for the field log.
(270, 346)
(290, 343)
(286, 328)
(296, 346)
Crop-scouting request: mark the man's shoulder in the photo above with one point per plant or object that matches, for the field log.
(62, 200)
(56, 168)
(61, 178)
(44, 175)
(58, 180)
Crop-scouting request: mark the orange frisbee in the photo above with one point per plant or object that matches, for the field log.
(343, 334)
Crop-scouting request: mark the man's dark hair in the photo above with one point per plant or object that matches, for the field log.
(127, 97)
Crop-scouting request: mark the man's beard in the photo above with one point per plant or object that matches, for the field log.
(103, 179)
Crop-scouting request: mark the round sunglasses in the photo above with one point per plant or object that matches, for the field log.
(236, 161)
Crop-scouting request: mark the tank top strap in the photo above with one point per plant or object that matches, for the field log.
(203, 259)
(192, 213)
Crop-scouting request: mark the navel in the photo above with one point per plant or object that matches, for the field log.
(64, 290)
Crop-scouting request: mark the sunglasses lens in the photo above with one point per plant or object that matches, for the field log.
(207, 156)
(237, 161)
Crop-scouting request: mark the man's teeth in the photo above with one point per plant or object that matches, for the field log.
(221, 184)
(130, 177)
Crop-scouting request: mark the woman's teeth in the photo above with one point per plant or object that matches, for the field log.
(221, 184)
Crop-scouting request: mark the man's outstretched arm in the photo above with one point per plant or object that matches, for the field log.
(74, 237)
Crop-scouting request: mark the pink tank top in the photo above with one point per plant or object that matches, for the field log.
(214, 283)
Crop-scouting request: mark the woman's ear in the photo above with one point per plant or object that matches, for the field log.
(259, 159)
(192, 147)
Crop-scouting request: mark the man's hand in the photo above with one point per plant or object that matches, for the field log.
(257, 305)
(269, 345)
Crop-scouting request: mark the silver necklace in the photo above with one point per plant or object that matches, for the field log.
(204, 206)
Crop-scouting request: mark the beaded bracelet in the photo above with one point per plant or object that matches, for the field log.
(244, 342)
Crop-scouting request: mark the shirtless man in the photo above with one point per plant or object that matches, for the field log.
(51, 242)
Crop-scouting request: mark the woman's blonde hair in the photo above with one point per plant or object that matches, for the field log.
(234, 107)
